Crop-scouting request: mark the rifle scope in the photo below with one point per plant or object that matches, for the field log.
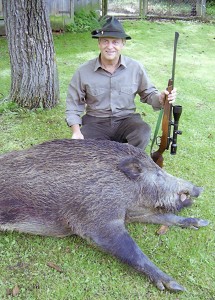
(177, 110)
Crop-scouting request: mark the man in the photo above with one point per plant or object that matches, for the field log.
(105, 87)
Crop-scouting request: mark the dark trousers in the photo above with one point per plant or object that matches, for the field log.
(131, 129)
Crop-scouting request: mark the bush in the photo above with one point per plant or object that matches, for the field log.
(84, 22)
(210, 9)
(211, 2)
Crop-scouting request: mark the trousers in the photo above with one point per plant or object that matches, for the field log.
(130, 129)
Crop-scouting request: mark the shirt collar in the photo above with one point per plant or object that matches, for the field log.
(122, 61)
(98, 64)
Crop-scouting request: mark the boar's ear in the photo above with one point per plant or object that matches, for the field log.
(132, 167)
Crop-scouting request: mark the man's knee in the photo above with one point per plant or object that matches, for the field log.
(95, 131)
(140, 136)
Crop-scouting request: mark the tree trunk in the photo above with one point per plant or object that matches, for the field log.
(34, 79)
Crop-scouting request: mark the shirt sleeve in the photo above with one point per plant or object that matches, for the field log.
(75, 101)
(147, 91)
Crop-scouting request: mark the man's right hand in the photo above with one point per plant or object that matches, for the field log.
(77, 136)
(76, 132)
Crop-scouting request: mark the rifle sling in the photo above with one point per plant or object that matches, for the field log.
(156, 129)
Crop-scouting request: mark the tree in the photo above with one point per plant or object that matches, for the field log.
(34, 79)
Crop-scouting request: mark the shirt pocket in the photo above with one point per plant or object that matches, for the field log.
(128, 90)
(126, 97)
(95, 92)
(96, 98)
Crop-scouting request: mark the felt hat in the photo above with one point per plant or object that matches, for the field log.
(112, 28)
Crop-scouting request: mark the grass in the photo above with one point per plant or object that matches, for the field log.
(185, 254)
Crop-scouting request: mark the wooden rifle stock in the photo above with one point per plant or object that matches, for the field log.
(157, 156)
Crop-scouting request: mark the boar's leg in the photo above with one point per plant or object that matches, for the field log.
(148, 216)
(115, 239)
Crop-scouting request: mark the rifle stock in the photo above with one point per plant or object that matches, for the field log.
(157, 156)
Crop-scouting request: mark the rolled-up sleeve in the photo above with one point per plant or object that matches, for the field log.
(147, 91)
(75, 101)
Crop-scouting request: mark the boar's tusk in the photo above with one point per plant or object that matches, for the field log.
(183, 197)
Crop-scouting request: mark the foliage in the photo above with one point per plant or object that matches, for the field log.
(187, 255)
(211, 2)
(83, 21)
(210, 10)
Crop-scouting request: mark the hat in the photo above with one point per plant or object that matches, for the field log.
(112, 28)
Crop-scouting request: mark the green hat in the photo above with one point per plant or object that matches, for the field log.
(112, 28)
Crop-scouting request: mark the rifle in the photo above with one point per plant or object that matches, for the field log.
(166, 115)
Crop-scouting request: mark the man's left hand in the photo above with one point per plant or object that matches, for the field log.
(170, 96)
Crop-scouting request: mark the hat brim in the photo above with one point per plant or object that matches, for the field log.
(116, 35)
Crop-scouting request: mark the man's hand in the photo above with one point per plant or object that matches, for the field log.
(77, 136)
(170, 96)
(76, 132)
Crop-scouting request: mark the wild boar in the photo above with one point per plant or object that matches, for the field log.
(92, 188)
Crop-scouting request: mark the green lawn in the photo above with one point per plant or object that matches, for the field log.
(185, 254)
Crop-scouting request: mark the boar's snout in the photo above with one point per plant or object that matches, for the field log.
(196, 191)
(185, 197)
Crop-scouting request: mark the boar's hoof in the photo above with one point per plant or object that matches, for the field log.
(194, 223)
(172, 286)
(175, 287)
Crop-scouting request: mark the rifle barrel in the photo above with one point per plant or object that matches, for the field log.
(174, 57)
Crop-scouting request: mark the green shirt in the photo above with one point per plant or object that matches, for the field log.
(102, 94)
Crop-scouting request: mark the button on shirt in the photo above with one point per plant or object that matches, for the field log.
(102, 94)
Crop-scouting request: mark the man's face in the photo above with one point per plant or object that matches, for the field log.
(110, 48)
